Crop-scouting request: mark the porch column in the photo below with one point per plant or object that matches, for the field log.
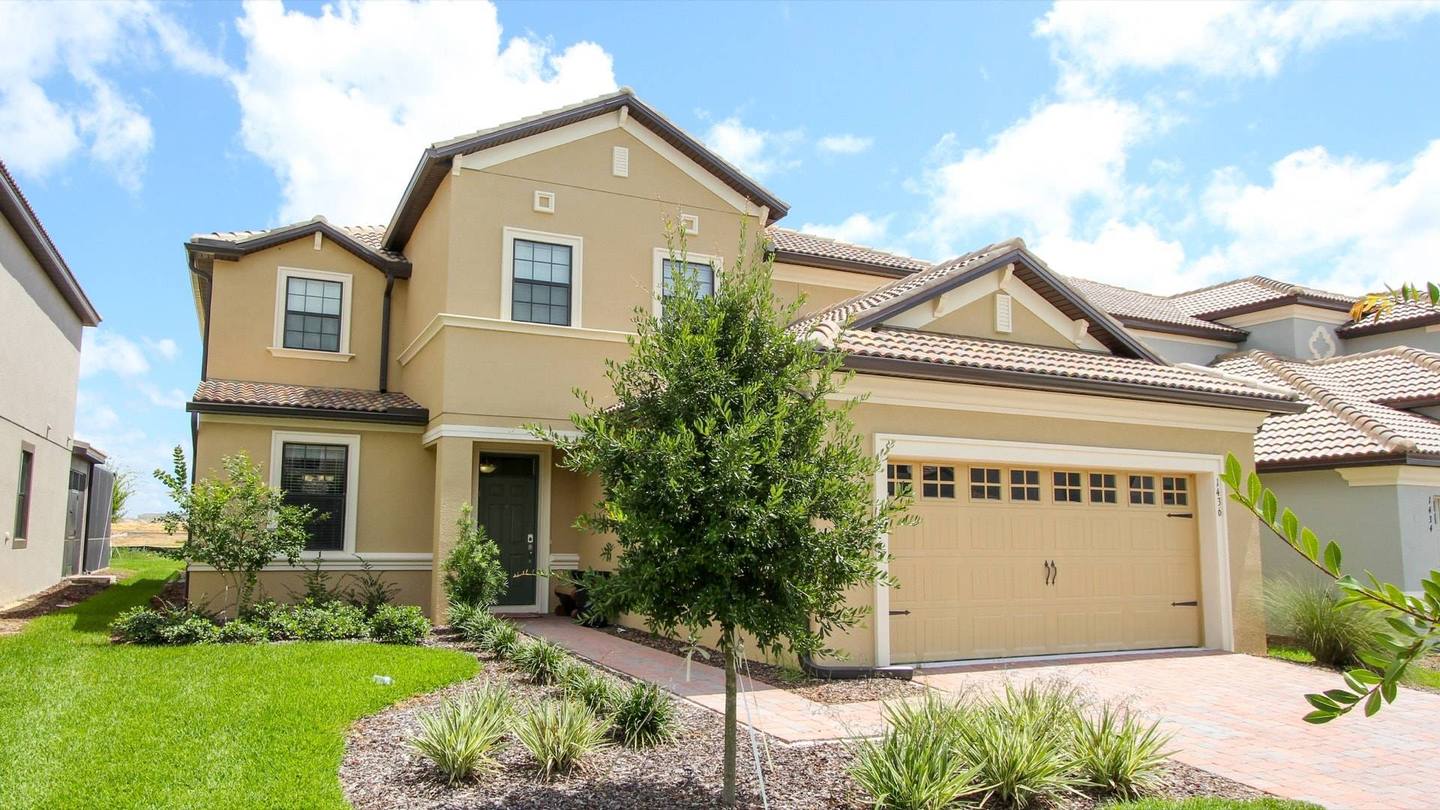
(453, 477)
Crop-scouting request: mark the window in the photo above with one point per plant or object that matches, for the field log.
(937, 482)
(1102, 488)
(1173, 491)
(1067, 487)
(898, 479)
(312, 314)
(317, 475)
(541, 292)
(703, 274)
(985, 483)
(22, 493)
(1142, 490)
(1024, 485)
(545, 202)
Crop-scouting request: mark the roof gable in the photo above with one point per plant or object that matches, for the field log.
(976, 308)
(361, 240)
(622, 106)
(17, 211)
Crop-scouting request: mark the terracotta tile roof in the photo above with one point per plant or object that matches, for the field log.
(370, 237)
(1243, 292)
(1132, 305)
(280, 395)
(809, 245)
(1400, 316)
(1351, 412)
(979, 353)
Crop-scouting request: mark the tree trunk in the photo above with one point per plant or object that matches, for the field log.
(727, 648)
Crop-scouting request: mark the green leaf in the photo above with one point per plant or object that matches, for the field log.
(1363, 676)
(1434, 290)
(1402, 627)
(1342, 696)
(1268, 506)
(1319, 717)
(1332, 558)
(1232, 471)
(1322, 702)
(1255, 488)
(1389, 690)
(1372, 704)
(1309, 543)
(1290, 526)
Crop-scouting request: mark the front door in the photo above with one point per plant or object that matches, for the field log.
(507, 511)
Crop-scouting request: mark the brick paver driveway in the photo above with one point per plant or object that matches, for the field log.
(1239, 716)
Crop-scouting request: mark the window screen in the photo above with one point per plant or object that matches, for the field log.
(312, 314)
(541, 292)
(315, 475)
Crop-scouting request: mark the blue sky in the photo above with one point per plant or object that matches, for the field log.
(1160, 146)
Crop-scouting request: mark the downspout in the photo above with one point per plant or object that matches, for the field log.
(385, 333)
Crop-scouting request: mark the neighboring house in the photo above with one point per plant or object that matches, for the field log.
(1362, 464)
(1066, 474)
(44, 314)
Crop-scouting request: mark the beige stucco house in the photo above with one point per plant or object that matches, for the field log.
(44, 474)
(1066, 474)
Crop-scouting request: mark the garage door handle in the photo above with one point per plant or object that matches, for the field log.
(1052, 572)
(1191, 603)
(899, 613)
(1180, 514)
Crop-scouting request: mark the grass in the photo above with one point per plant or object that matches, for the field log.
(1419, 675)
(1212, 804)
(89, 724)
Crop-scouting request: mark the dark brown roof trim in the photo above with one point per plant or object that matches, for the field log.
(201, 247)
(922, 370)
(1217, 332)
(394, 416)
(435, 162)
(1054, 290)
(22, 218)
(1369, 326)
(1370, 460)
(1303, 299)
(832, 263)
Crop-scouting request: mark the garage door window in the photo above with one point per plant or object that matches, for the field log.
(1025, 485)
(984, 483)
(1142, 490)
(1173, 491)
(1102, 488)
(1067, 487)
(898, 478)
(938, 482)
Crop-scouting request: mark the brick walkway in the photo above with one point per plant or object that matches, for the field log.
(1235, 715)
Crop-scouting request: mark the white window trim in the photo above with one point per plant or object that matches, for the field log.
(278, 439)
(1209, 506)
(347, 289)
(507, 270)
(657, 276)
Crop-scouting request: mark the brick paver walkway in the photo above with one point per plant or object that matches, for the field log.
(1235, 715)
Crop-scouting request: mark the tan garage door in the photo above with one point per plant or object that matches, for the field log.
(1010, 561)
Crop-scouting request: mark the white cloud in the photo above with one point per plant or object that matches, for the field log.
(1130, 255)
(173, 399)
(1337, 222)
(845, 144)
(165, 348)
(860, 229)
(756, 152)
(341, 105)
(1094, 40)
(104, 352)
(81, 43)
(1030, 178)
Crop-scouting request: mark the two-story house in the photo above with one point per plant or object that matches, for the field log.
(1065, 473)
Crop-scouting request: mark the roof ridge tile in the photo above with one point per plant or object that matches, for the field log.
(1382, 435)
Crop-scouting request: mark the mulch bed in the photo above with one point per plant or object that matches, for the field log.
(380, 771)
(59, 596)
(820, 690)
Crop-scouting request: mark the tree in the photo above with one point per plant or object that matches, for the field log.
(473, 572)
(120, 495)
(237, 524)
(738, 493)
(1412, 622)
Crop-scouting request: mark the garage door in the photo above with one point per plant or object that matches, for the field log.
(1010, 561)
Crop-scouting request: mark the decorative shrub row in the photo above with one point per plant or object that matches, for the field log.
(1034, 745)
(272, 621)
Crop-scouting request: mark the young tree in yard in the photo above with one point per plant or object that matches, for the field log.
(474, 574)
(739, 495)
(120, 495)
(236, 524)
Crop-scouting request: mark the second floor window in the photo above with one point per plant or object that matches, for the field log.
(542, 283)
(702, 273)
(22, 494)
(312, 314)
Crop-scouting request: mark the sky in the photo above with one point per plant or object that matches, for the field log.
(1159, 146)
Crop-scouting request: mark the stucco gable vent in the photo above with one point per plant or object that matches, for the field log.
(1004, 320)
(620, 161)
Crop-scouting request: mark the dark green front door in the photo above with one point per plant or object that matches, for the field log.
(507, 511)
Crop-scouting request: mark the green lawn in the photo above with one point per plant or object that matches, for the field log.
(1424, 677)
(1213, 804)
(84, 723)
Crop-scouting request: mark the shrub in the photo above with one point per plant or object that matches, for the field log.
(460, 613)
(139, 625)
(478, 627)
(460, 736)
(308, 622)
(399, 624)
(473, 573)
(317, 587)
(915, 765)
(1118, 753)
(593, 688)
(560, 735)
(188, 628)
(503, 638)
(644, 717)
(370, 592)
(241, 632)
(1309, 612)
(1019, 744)
(542, 661)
